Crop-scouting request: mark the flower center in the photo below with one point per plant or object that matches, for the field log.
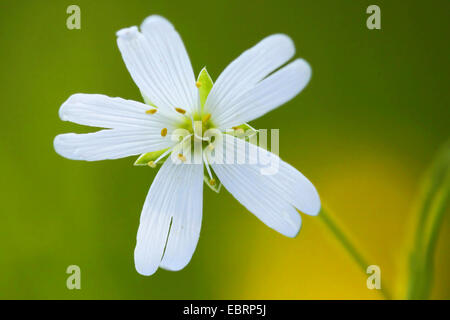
(198, 125)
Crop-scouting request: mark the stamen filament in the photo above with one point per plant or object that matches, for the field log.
(162, 156)
(208, 169)
(173, 147)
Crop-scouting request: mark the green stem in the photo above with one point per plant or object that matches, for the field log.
(337, 231)
(434, 200)
(440, 205)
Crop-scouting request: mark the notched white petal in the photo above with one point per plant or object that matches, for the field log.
(128, 33)
(102, 111)
(158, 63)
(273, 197)
(108, 144)
(171, 219)
(156, 21)
(247, 70)
(268, 94)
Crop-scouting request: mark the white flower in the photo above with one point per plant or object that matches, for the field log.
(248, 88)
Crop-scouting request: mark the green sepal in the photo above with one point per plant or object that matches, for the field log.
(245, 127)
(206, 84)
(246, 132)
(145, 158)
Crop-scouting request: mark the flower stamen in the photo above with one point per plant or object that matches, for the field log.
(164, 132)
(208, 169)
(151, 111)
(206, 117)
(152, 164)
(238, 131)
(198, 84)
(180, 110)
(160, 157)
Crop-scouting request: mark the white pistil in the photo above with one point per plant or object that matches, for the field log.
(153, 163)
(199, 123)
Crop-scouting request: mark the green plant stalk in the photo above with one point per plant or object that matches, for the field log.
(430, 211)
(347, 243)
(421, 268)
(439, 208)
(421, 260)
(432, 181)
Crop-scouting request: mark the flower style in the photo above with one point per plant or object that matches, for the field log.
(249, 87)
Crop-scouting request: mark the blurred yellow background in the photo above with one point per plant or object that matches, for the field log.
(363, 131)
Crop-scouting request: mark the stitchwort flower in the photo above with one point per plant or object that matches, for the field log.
(252, 85)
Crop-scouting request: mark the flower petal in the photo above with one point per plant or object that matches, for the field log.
(247, 70)
(271, 196)
(102, 111)
(172, 212)
(164, 39)
(110, 143)
(158, 63)
(267, 95)
(187, 219)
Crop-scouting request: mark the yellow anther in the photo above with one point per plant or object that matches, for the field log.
(151, 164)
(206, 117)
(238, 131)
(164, 132)
(198, 84)
(181, 157)
(151, 111)
(182, 111)
(212, 182)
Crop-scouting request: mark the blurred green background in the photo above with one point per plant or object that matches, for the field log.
(363, 131)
